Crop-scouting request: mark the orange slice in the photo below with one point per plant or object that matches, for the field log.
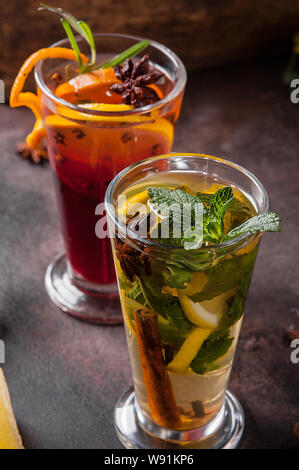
(93, 86)
(9, 435)
(32, 101)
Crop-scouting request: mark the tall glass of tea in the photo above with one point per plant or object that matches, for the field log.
(185, 232)
(97, 123)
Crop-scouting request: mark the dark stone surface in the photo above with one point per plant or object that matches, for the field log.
(64, 375)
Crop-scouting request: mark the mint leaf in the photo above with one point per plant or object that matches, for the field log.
(176, 276)
(237, 206)
(220, 202)
(214, 223)
(215, 346)
(183, 212)
(135, 293)
(225, 275)
(205, 197)
(173, 203)
(234, 206)
(164, 197)
(165, 305)
(236, 309)
(239, 213)
(269, 222)
(175, 314)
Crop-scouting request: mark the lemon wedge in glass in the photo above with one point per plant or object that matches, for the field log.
(183, 358)
(9, 435)
(205, 314)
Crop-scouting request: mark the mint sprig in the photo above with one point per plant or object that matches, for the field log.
(269, 222)
(212, 209)
(214, 220)
(173, 204)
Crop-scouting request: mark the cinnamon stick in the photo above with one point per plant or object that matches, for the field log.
(159, 391)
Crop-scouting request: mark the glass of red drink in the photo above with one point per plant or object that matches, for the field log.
(91, 136)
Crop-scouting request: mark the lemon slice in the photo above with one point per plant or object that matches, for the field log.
(9, 435)
(188, 350)
(133, 203)
(206, 314)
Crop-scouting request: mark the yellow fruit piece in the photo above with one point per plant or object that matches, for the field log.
(88, 86)
(208, 313)
(32, 101)
(170, 290)
(64, 114)
(125, 310)
(214, 187)
(133, 204)
(152, 122)
(188, 351)
(9, 435)
(196, 284)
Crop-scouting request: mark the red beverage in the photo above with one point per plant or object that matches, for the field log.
(81, 181)
(85, 158)
(92, 134)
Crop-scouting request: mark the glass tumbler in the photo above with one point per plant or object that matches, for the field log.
(170, 406)
(87, 147)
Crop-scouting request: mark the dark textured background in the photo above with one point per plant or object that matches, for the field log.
(202, 32)
(65, 376)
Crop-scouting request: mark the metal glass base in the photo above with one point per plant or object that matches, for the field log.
(136, 432)
(95, 306)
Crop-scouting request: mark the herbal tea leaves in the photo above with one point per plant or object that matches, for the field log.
(182, 212)
(165, 305)
(236, 309)
(218, 206)
(215, 346)
(225, 275)
(269, 222)
(176, 275)
(213, 222)
(171, 204)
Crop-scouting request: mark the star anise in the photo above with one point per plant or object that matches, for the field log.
(36, 156)
(135, 78)
(131, 260)
(128, 258)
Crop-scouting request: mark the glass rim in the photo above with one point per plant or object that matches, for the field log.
(178, 88)
(166, 248)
